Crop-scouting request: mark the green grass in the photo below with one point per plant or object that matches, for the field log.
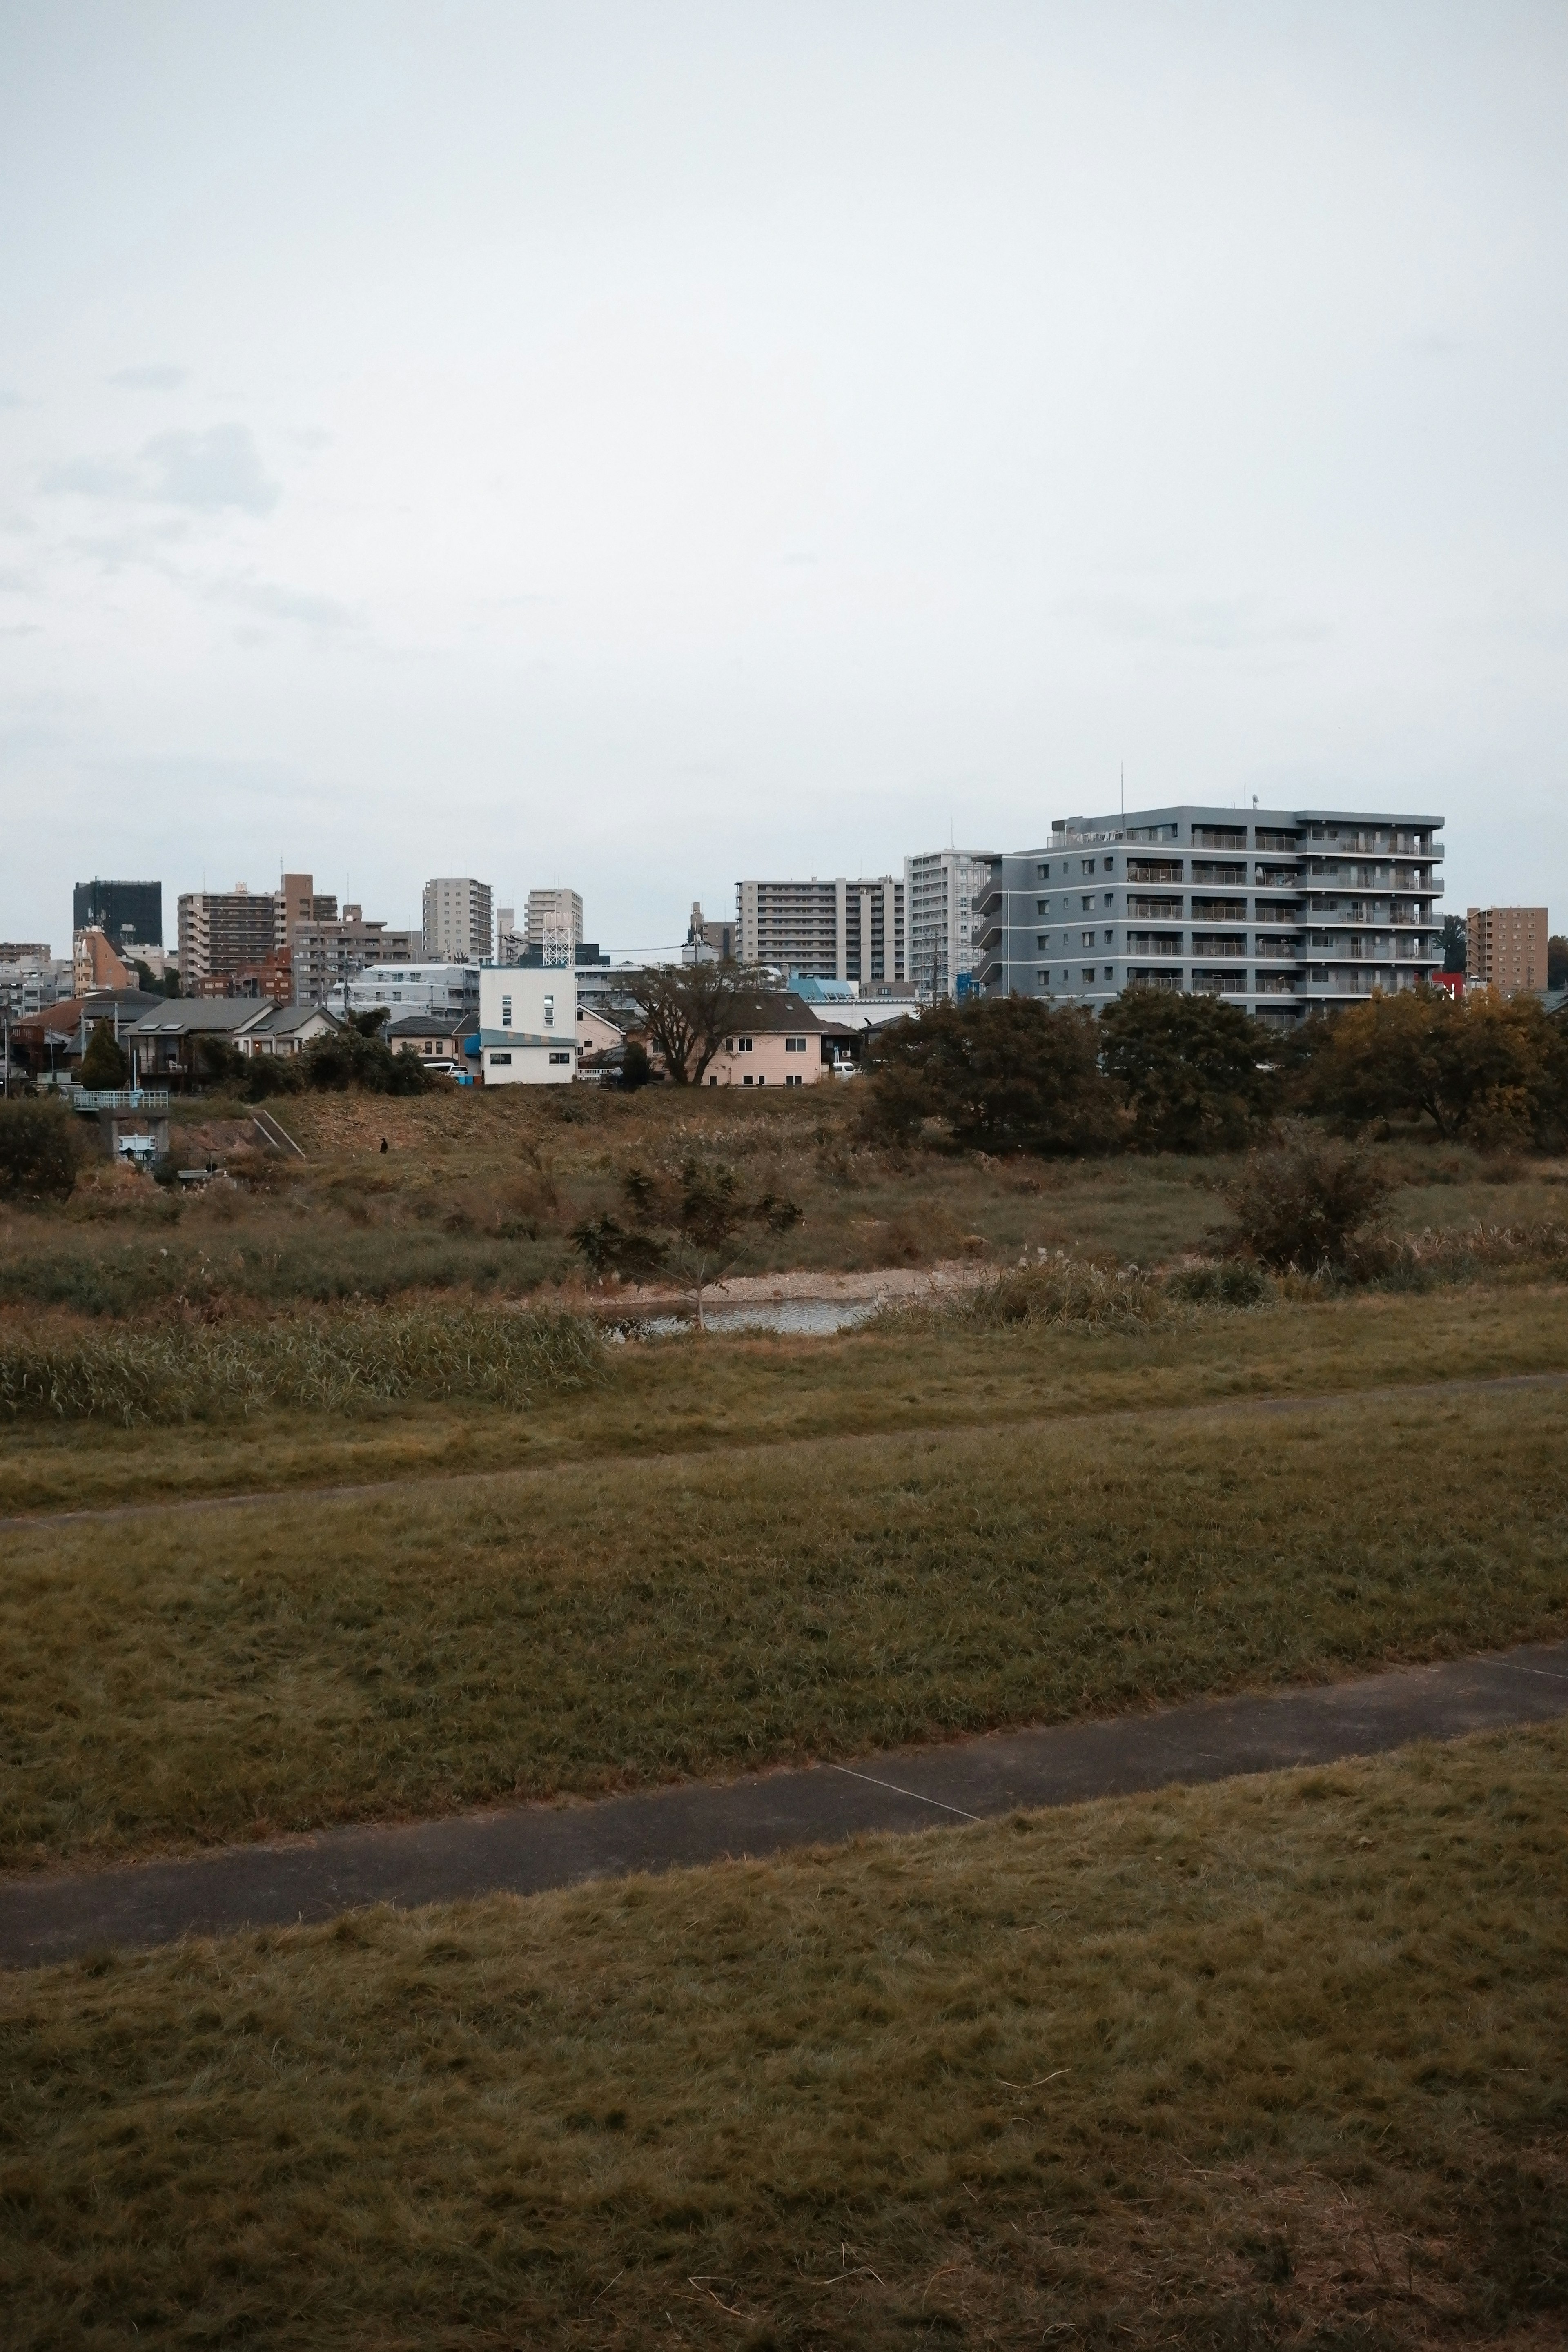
(184, 1679)
(1275, 2064)
(687, 1395)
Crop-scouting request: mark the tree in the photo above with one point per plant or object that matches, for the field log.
(103, 1063)
(1557, 960)
(1455, 936)
(352, 1057)
(1007, 1073)
(1302, 1199)
(1492, 1068)
(690, 1009)
(40, 1150)
(1189, 1067)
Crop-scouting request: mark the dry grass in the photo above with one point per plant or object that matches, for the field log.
(323, 1364)
(480, 1192)
(690, 1394)
(1274, 2064)
(185, 1679)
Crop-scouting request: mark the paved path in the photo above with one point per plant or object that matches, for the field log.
(1063, 1418)
(527, 1848)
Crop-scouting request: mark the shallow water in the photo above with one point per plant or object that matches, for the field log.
(811, 1317)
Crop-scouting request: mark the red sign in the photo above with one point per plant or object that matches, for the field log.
(1454, 981)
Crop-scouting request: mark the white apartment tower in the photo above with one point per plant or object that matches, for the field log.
(838, 930)
(942, 892)
(457, 923)
(554, 915)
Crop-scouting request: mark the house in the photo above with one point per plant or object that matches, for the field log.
(528, 1025)
(285, 1030)
(50, 1042)
(595, 1035)
(780, 1041)
(439, 1039)
(166, 1046)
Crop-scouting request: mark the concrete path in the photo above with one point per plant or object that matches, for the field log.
(527, 1848)
(157, 1506)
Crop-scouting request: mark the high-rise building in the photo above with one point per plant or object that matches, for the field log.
(456, 925)
(329, 952)
(510, 940)
(554, 914)
(838, 929)
(224, 931)
(943, 890)
(1282, 911)
(127, 913)
(299, 901)
(710, 942)
(1505, 949)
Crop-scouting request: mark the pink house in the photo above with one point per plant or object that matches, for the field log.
(780, 1041)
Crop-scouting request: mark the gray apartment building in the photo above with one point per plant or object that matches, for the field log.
(835, 930)
(1280, 911)
(457, 923)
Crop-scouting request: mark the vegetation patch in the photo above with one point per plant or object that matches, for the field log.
(1276, 2064)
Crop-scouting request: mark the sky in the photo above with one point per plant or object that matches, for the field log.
(637, 447)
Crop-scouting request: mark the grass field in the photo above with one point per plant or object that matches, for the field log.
(183, 1678)
(1275, 2064)
(688, 1395)
(481, 1192)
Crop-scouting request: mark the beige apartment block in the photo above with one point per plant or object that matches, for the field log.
(1506, 947)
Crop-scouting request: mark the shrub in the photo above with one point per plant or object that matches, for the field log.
(1236, 1282)
(1302, 1199)
(607, 1247)
(40, 1150)
(350, 1058)
(1188, 1066)
(1008, 1073)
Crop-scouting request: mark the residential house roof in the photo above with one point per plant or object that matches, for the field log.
(431, 1025)
(211, 1017)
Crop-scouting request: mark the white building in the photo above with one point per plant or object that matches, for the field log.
(554, 914)
(835, 929)
(528, 1025)
(942, 891)
(457, 920)
(404, 988)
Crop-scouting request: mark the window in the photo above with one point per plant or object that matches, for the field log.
(1089, 902)
(562, 1057)
(1088, 939)
(1110, 938)
(506, 1012)
(1042, 873)
(747, 1079)
(796, 1081)
(500, 1061)
(550, 1013)
(794, 1044)
(712, 1082)
(1088, 865)
(1089, 976)
(1109, 973)
(744, 1045)
(1042, 906)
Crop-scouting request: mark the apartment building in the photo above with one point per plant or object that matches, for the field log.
(329, 953)
(838, 930)
(414, 987)
(1505, 949)
(224, 931)
(552, 916)
(127, 913)
(710, 942)
(457, 925)
(1280, 910)
(942, 891)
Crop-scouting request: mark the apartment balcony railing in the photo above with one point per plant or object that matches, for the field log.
(1219, 983)
(1287, 951)
(1153, 943)
(1215, 945)
(1219, 910)
(1155, 909)
(1166, 979)
(1291, 915)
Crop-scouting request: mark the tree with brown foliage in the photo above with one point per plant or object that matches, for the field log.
(1006, 1072)
(1489, 1068)
(690, 1009)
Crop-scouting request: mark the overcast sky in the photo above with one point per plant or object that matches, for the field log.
(640, 446)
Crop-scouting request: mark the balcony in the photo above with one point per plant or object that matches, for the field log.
(1213, 944)
(1219, 983)
(1291, 915)
(1281, 950)
(1154, 943)
(1219, 836)
(1219, 910)
(1155, 909)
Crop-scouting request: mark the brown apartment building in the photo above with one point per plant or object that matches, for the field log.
(1506, 947)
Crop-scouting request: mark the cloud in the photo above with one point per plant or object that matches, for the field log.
(209, 471)
(278, 604)
(1220, 623)
(206, 472)
(9, 399)
(150, 379)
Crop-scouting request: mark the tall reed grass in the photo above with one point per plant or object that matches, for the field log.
(327, 1363)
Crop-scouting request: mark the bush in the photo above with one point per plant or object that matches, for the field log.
(1007, 1073)
(1302, 1200)
(607, 1247)
(350, 1058)
(324, 1363)
(1234, 1283)
(40, 1150)
(1189, 1068)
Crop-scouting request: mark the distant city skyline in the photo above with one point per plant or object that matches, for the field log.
(635, 449)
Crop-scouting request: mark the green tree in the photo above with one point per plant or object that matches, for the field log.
(104, 1063)
(1455, 936)
(1006, 1072)
(1194, 1072)
(40, 1150)
(352, 1057)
